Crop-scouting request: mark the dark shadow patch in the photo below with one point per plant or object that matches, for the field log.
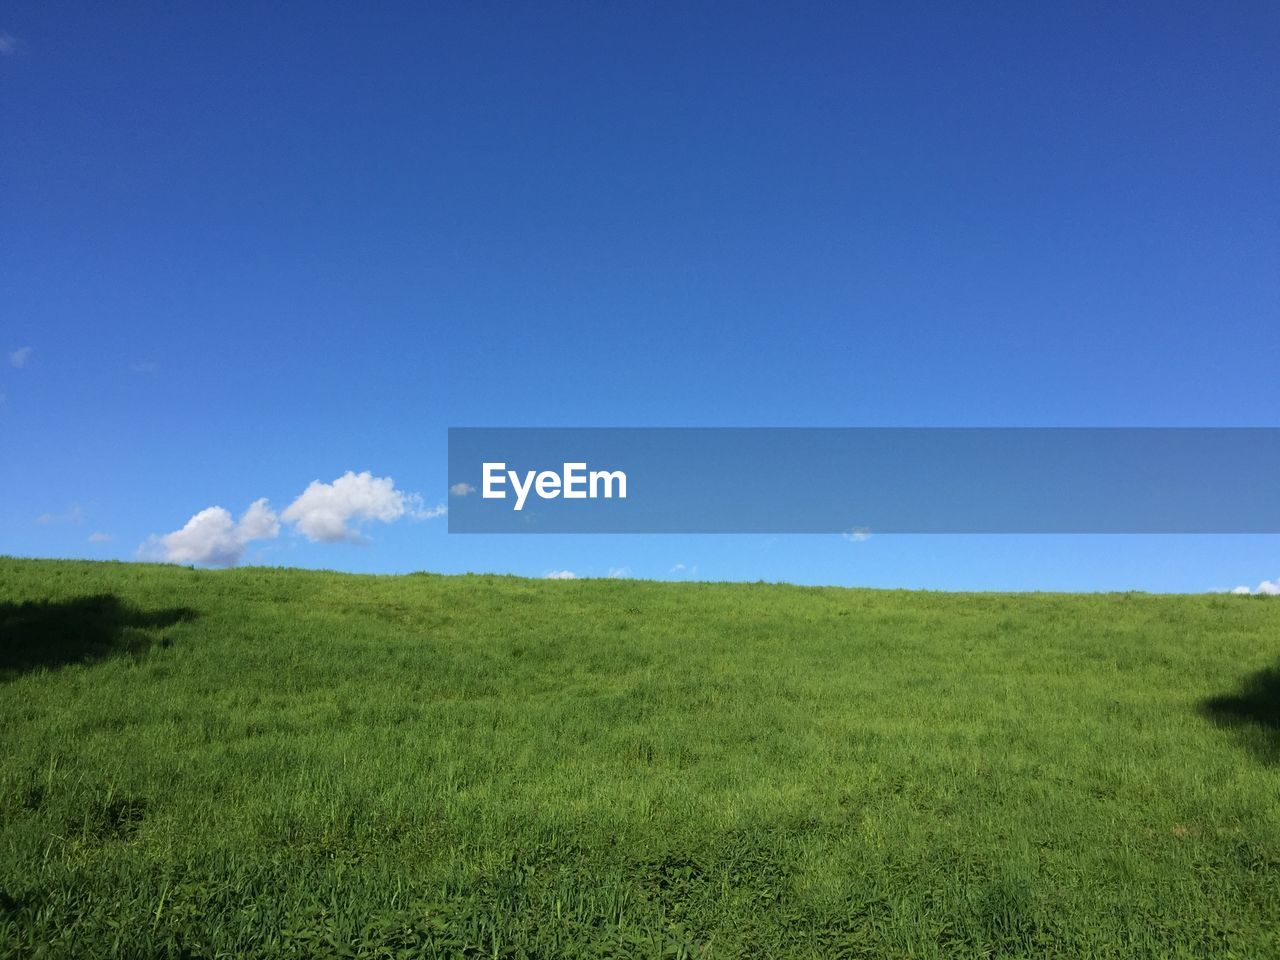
(117, 818)
(107, 815)
(43, 634)
(1253, 713)
(11, 906)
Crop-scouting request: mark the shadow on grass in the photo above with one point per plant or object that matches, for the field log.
(1253, 712)
(42, 633)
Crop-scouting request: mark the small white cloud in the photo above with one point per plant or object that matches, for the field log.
(212, 538)
(74, 514)
(18, 358)
(429, 513)
(561, 575)
(684, 569)
(619, 573)
(1267, 588)
(144, 366)
(461, 489)
(857, 535)
(8, 44)
(333, 512)
(99, 537)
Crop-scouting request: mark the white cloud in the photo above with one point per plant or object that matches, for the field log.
(1267, 588)
(461, 489)
(323, 513)
(561, 575)
(99, 537)
(259, 522)
(619, 573)
(684, 569)
(18, 358)
(8, 44)
(333, 512)
(211, 538)
(857, 535)
(144, 366)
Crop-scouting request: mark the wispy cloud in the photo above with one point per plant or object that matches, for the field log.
(684, 570)
(99, 537)
(461, 490)
(857, 535)
(73, 514)
(8, 44)
(619, 573)
(560, 575)
(144, 366)
(18, 358)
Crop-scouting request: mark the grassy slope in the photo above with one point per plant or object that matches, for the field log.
(264, 761)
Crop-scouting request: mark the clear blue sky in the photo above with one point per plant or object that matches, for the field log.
(251, 246)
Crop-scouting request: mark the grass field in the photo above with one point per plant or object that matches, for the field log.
(282, 763)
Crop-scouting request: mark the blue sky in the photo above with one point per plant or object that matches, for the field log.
(245, 247)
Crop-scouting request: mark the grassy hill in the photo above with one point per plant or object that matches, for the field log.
(283, 763)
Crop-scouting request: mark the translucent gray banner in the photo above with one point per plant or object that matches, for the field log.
(847, 480)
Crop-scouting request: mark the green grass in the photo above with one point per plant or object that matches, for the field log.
(282, 763)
